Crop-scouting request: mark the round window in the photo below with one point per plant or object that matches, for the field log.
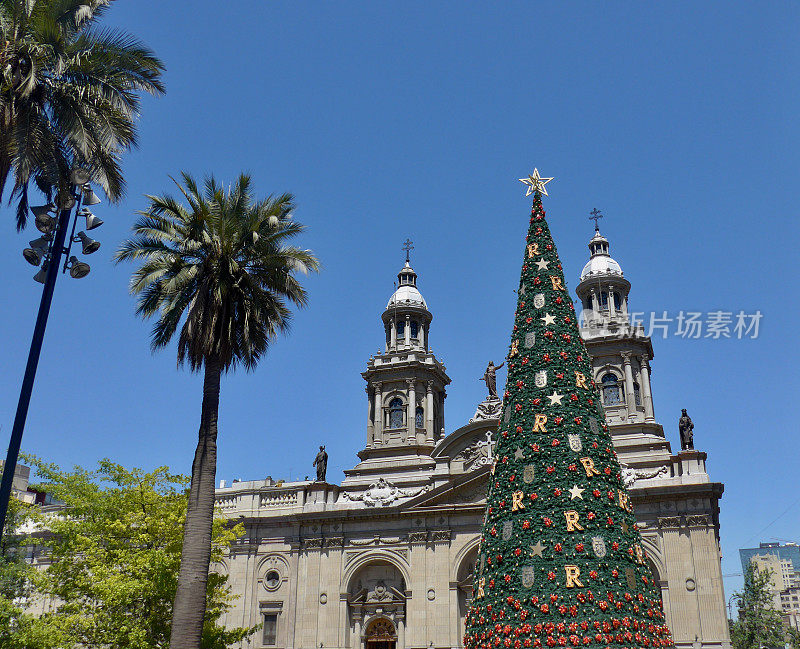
(273, 579)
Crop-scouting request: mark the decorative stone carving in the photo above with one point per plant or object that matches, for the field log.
(630, 475)
(383, 493)
(697, 520)
(489, 408)
(312, 543)
(439, 536)
(417, 537)
(669, 522)
(378, 540)
(479, 453)
(334, 542)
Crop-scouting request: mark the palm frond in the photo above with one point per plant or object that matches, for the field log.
(217, 270)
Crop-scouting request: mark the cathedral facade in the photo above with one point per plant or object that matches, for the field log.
(384, 560)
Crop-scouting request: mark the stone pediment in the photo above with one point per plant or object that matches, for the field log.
(469, 489)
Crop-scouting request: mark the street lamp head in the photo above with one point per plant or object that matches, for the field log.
(89, 197)
(79, 176)
(89, 245)
(45, 223)
(42, 210)
(78, 269)
(92, 221)
(33, 256)
(41, 276)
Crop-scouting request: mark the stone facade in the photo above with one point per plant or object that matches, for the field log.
(385, 560)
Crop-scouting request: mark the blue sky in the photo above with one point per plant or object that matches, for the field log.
(394, 120)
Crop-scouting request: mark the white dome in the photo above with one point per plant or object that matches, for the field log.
(406, 295)
(601, 265)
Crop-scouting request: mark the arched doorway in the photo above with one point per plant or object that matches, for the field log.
(380, 634)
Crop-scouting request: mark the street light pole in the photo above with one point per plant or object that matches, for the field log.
(73, 199)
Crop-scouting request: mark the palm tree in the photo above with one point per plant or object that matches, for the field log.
(221, 266)
(68, 95)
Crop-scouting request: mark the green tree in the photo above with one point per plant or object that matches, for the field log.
(561, 561)
(18, 629)
(759, 624)
(68, 95)
(221, 266)
(114, 554)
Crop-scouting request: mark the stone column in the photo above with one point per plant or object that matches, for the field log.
(629, 396)
(429, 435)
(357, 643)
(647, 395)
(407, 331)
(625, 306)
(377, 434)
(370, 417)
(611, 310)
(595, 302)
(394, 334)
(411, 418)
(401, 631)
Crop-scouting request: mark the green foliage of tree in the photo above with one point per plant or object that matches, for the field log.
(68, 95)
(113, 555)
(220, 269)
(760, 624)
(18, 629)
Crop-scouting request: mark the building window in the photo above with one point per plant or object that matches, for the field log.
(414, 329)
(396, 411)
(587, 304)
(637, 397)
(617, 301)
(401, 329)
(273, 579)
(612, 392)
(270, 635)
(603, 300)
(420, 417)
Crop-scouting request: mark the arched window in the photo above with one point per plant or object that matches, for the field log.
(401, 328)
(637, 397)
(396, 411)
(414, 329)
(603, 300)
(617, 301)
(612, 391)
(419, 418)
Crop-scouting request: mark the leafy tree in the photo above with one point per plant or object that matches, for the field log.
(18, 629)
(221, 266)
(68, 95)
(114, 554)
(760, 624)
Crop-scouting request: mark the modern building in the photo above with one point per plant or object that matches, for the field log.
(783, 564)
(384, 560)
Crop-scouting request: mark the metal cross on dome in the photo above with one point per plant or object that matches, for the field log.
(535, 183)
(408, 246)
(595, 216)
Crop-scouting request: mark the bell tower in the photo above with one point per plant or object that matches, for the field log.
(405, 387)
(620, 352)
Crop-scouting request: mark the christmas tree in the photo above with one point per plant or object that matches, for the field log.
(560, 558)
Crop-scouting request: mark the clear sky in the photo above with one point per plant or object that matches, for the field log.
(415, 119)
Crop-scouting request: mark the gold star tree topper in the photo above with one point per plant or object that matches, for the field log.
(535, 183)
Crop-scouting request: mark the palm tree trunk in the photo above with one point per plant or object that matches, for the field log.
(189, 608)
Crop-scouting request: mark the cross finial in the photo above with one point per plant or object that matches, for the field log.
(408, 246)
(595, 216)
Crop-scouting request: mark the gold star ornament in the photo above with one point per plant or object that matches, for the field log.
(535, 183)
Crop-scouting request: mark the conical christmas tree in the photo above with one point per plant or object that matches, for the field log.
(560, 559)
